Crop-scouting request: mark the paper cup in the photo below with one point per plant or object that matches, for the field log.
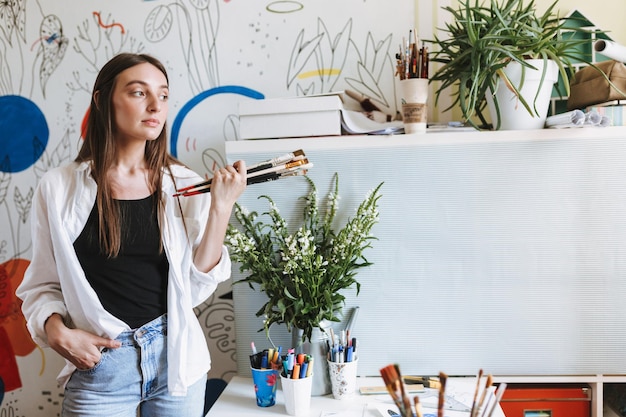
(413, 97)
(343, 379)
(265, 385)
(297, 393)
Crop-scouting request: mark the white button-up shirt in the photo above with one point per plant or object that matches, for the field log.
(55, 282)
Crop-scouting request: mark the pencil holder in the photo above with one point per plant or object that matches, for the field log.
(297, 393)
(265, 384)
(343, 379)
(413, 97)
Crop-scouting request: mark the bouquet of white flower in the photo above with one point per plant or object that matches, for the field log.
(302, 273)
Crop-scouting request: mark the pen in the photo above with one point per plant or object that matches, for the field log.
(277, 355)
(290, 360)
(309, 368)
(303, 369)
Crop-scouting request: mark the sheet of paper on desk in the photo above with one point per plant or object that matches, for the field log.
(361, 411)
(383, 411)
(365, 410)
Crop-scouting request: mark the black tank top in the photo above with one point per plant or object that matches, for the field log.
(133, 285)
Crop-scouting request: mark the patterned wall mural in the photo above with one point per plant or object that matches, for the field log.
(218, 52)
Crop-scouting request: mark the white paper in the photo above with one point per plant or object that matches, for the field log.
(356, 122)
(592, 118)
(571, 118)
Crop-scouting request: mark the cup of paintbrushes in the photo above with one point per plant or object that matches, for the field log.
(413, 98)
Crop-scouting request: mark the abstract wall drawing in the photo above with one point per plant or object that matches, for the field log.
(318, 64)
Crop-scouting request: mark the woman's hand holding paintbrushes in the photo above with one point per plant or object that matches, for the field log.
(291, 164)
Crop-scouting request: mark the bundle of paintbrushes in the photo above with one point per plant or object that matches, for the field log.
(396, 388)
(486, 398)
(288, 165)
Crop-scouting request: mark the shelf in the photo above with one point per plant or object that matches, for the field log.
(597, 384)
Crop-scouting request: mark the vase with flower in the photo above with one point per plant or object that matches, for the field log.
(304, 269)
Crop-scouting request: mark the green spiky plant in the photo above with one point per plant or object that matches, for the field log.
(483, 37)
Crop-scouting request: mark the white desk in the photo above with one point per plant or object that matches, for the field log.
(238, 400)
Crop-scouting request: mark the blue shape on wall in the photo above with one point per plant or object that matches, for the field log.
(227, 89)
(23, 133)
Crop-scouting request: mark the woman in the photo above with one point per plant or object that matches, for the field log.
(119, 263)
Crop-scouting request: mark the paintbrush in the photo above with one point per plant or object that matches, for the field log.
(365, 102)
(442, 394)
(418, 406)
(392, 382)
(473, 410)
(488, 384)
(405, 398)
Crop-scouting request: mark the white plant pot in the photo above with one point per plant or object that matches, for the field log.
(513, 114)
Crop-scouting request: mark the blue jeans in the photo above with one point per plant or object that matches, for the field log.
(131, 381)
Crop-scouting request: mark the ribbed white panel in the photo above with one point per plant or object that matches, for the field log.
(503, 250)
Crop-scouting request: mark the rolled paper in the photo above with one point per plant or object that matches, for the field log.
(592, 118)
(611, 50)
(570, 118)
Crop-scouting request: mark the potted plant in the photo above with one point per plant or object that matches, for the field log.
(303, 270)
(480, 43)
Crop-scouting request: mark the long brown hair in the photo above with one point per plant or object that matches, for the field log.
(99, 149)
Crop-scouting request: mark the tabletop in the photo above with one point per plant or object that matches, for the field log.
(239, 399)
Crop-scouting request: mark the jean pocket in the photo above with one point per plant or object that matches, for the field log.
(104, 353)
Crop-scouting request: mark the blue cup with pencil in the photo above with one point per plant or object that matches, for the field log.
(265, 367)
(296, 380)
(342, 366)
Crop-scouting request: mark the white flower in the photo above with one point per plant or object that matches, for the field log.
(303, 271)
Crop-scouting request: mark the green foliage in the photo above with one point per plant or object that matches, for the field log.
(303, 273)
(482, 39)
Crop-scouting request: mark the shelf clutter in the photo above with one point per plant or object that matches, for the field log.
(332, 114)
(597, 96)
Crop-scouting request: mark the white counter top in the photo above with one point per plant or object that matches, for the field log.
(238, 400)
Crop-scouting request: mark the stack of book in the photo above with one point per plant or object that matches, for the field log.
(290, 117)
(307, 116)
